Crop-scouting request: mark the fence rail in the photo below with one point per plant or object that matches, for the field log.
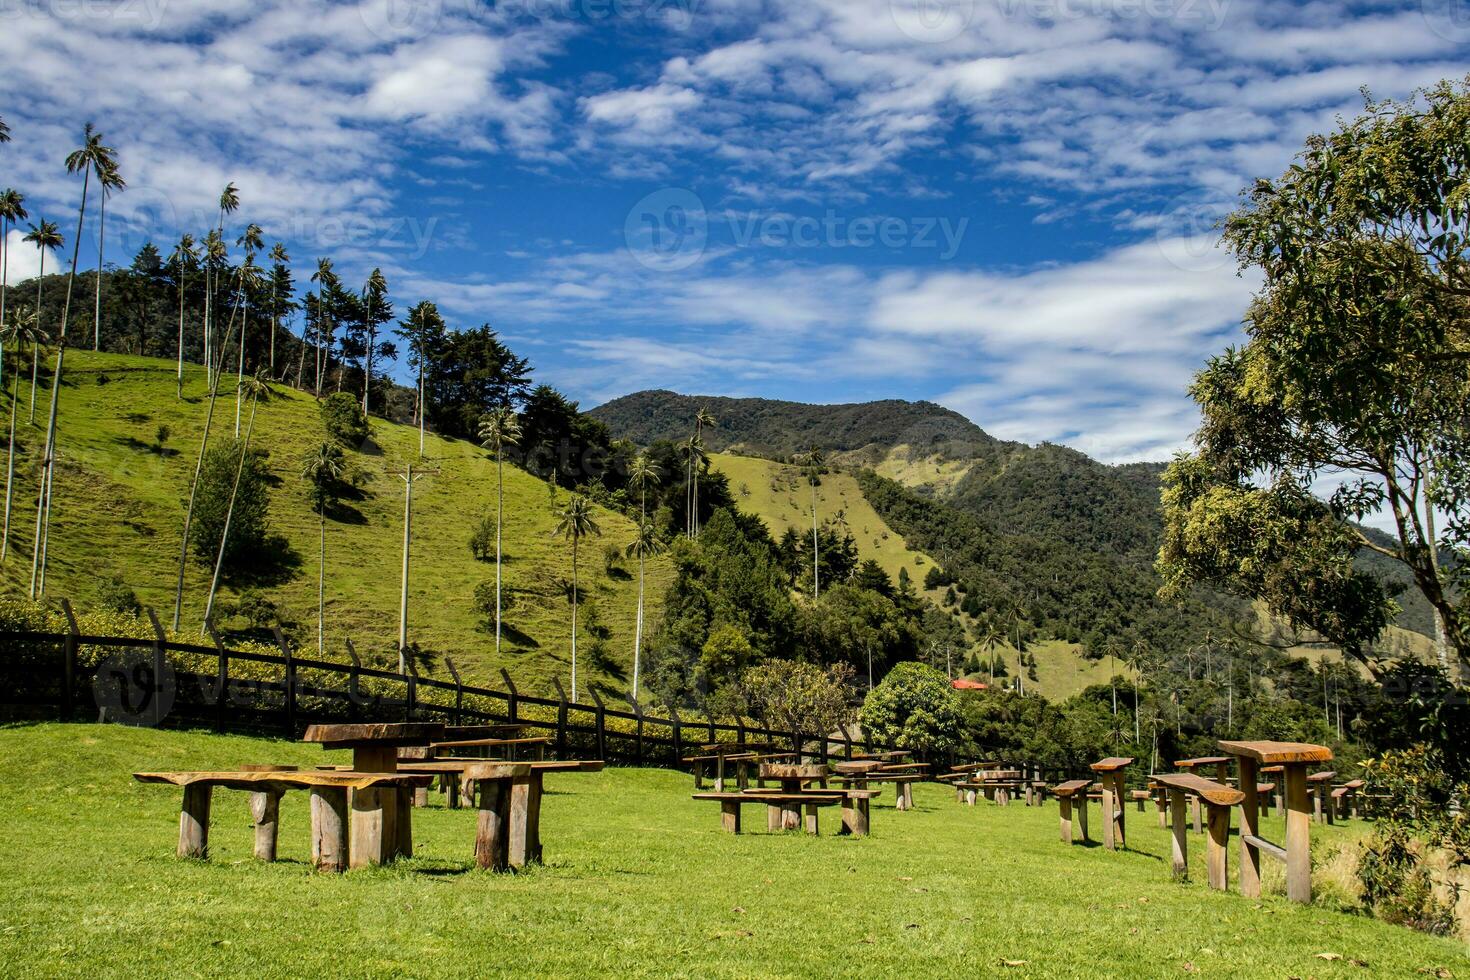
(74, 677)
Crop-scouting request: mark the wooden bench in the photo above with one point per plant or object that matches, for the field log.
(1221, 765)
(1072, 794)
(1293, 758)
(1217, 799)
(1345, 798)
(335, 844)
(1036, 792)
(1319, 784)
(903, 785)
(1111, 773)
(785, 810)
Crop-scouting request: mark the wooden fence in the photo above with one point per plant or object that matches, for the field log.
(76, 677)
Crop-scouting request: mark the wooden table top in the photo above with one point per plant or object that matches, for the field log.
(779, 770)
(1208, 760)
(1111, 764)
(1273, 753)
(491, 743)
(385, 734)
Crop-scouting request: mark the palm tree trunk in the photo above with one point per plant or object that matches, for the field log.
(97, 303)
(638, 629)
(816, 582)
(180, 395)
(10, 459)
(421, 408)
(240, 379)
(499, 517)
(575, 539)
(198, 469)
(43, 507)
(321, 578)
(224, 540)
(36, 348)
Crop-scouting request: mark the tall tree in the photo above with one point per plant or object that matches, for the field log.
(499, 429)
(642, 473)
(327, 288)
(229, 203)
(702, 418)
(12, 209)
(423, 332)
(647, 544)
(21, 333)
(280, 299)
(1356, 367)
(45, 237)
(184, 256)
(575, 523)
(249, 281)
(92, 157)
(376, 312)
(322, 469)
(107, 181)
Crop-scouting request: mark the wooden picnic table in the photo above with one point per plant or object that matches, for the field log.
(1111, 773)
(1294, 759)
(742, 760)
(1221, 765)
(382, 816)
(1320, 784)
(1218, 798)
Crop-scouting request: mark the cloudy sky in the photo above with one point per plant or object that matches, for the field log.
(1006, 206)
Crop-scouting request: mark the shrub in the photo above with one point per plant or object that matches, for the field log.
(482, 544)
(116, 596)
(249, 527)
(914, 707)
(485, 599)
(791, 695)
(344, 420)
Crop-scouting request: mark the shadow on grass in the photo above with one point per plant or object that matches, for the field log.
(510, 633)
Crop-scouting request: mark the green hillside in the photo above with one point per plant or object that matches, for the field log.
(118, 512)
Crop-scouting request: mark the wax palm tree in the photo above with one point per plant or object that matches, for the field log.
(989, 640)
(279, 259)
(813, 461)
(1137, 659)
(642, 473)
(702, 418)
(185, 254)
(12, 209)
(108, 180)
(575, 524)
(93, 157)
(229, 203)
(374, 292)
(44, 236)
(327, 283)
(695, 457)
(216, 258)
(322, 468)
(253, 389)
(498, 429)
(23, 332)
(4, 132)
(646, 545)
(248, 282)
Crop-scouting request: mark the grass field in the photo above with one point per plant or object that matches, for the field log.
(639, 881)
(119, 512)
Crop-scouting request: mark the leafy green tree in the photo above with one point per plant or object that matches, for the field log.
(344, 420)
(575, 522)
(795, 696)
(249, 519)
(1357, 365)
(646, 545)
(423, 332)
(12, 210)
(914, 707)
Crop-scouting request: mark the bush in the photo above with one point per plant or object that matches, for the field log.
(915, 707)
(790, 695)
(482, 544)
(343, 418)
(249, 527)
(117, 597)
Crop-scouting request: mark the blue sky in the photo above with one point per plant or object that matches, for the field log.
(1005, 206)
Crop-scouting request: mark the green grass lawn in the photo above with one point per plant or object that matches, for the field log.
(119, 510)
(639, 881)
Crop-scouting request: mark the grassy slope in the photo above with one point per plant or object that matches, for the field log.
(640, 881)
(781, 497)
(118, 511)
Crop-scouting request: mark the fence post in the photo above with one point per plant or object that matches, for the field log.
(822, 751)
(354, 680)
(413, 688)
(739, 729)
(458, 691)
(158, 642)
(561, 720)
(290, 680)
(678, 734)
(512, 702)
(221, 673)
(69, 662)
(601, 723)
(638, 731)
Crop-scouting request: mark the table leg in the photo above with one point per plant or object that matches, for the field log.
(1298, 834)
(329, 844)
(492, 836)
(1065, 805)
(525, 819)
(194, 821)
(265, 812)
(1109, 808)
(811, 819)
(1179, 838)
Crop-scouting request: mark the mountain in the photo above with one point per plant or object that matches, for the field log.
(1078, 536)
